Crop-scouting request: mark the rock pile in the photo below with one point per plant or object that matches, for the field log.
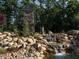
(29, 46)
(37, 46)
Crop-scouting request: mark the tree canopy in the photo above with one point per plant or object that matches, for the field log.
(51, 15)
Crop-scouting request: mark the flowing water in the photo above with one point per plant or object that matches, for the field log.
(65, 57)
(59, 54)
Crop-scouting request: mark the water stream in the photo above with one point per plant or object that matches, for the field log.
(65, 57)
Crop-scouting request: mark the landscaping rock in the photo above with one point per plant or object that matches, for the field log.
(37, 46)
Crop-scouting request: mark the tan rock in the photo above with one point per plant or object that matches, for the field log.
(42, 56)
(44, 45)
(24, 39)
(20, 41)
(4, 35)
(5, 39)
(39, 45)
(40, 37)
(5, 42)
(25, 44)
(37, 54)
(1, 37)
(11, 43)
(44, 41)
(34, 40)
(15, 39)
(42, 52)
(15, 45)
(19, 45)
(39, 58)
(9, 38)
(43, 48)
(30, 41)
(8, 33)
(0, 33)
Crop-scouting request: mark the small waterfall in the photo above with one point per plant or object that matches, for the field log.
(59, 51)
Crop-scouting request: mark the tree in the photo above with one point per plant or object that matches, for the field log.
(58, 16)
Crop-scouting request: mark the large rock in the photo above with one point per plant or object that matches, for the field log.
(73, 32)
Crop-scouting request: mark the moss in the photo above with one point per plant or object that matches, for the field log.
(2, 50)
(12, 49)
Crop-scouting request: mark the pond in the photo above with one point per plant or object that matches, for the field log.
(64, 57)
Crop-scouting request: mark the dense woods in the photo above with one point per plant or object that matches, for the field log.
(48, 15)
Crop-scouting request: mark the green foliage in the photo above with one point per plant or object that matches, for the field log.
(61, 16)
(57, 16)
(25, 31)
